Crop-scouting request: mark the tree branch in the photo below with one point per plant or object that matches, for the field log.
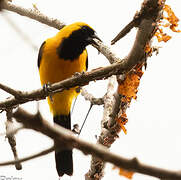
(77, 80)
(147, 11)
(91, 98)
(36, 15)
(97, 165)
(66, 139)
(146, 21)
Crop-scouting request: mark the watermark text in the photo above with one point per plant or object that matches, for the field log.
(10, 178)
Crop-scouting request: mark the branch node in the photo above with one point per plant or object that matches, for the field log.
(135, 162)
(91, 98)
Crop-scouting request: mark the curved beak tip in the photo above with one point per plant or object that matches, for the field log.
(96, 37)
(92, 39)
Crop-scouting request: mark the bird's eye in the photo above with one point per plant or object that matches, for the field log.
(84, 29)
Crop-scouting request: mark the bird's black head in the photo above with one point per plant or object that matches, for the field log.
(75, 38)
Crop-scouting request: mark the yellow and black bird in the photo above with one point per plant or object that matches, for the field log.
(59, 58)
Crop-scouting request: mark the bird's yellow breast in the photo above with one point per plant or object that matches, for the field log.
(53, 69)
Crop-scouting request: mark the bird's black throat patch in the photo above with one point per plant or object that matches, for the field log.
(72, 46)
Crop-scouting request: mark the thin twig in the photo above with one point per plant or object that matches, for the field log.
(106, 51)
(11, 91)
(91, 105)
(66, 139)
(42, 153)
(124, 31)
(11, 131)
(22, 34)
(149, 9)
(12, 139)
(31, 13)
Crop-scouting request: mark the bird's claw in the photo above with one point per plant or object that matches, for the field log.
(46, 89)
(76, 129)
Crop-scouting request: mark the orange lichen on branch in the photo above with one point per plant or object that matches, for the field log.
(161, 36)
(122, 120)
(172, 24)
(128, 87)
(171, 18)
(125, 173)
(148, 50)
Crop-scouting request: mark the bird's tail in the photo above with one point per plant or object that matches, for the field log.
(63, 158)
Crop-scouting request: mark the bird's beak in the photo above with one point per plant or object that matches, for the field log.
(94, 36)
(92, 41)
